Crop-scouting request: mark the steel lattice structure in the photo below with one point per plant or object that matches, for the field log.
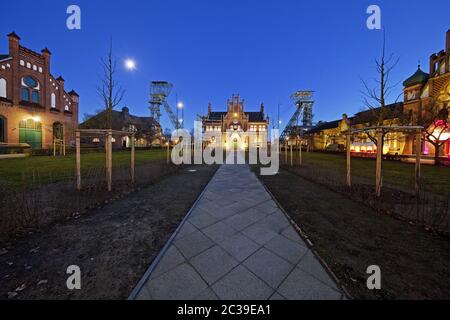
(159, 92)
(304, 105)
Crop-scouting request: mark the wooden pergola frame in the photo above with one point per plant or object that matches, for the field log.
(380, 132)
(108, 151)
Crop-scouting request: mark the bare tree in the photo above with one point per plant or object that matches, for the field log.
(375, 98)
(109, 91)
(434, 119)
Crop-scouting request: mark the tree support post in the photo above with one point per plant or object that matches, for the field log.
(108, 148)
(418, 158)
(300, 154)
(349, 158)
(132, 158)
(168, 152)
(378, 176)
(78, 159)
(285, 154)
(292, 163)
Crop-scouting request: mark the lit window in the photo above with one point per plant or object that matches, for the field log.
(40, 69)
(28, 65)
(66, 108)
(53, 102)
(2, 88)
(22, 63)
(96, 140)
(34, 67)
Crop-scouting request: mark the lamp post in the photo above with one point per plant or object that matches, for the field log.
(180, 106)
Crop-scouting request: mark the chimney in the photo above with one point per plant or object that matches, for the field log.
(262, 109)
(61, 82)
(447, 43)
(46, 53)
(74, 96)
(209, 108)
(14, 40)
(432, 64)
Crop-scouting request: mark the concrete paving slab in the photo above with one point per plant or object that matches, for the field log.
(237, 244)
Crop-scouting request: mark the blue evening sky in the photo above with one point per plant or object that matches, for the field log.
(210, 49)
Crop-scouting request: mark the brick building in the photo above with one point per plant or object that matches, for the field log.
(235, 120)
(35, 107)
(423, 93)
(148, 132)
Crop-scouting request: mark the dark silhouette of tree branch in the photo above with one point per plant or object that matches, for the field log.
(109, 90)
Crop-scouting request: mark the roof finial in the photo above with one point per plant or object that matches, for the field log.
(419, 64)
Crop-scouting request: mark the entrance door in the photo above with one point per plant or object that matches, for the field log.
(30, 132)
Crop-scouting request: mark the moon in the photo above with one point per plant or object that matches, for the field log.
(130, 64)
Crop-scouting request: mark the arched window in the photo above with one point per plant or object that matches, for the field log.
(2, 129)
(2, 88)
(53, 97)
(30, 90)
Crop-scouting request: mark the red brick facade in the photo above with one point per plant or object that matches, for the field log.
(43, 105)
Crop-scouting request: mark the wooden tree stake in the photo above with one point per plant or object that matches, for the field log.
(78, 159)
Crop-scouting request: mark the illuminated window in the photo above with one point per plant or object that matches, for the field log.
(2, 88)
(96, 140)
(53, 102)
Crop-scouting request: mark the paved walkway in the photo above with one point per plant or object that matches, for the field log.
(237, 244)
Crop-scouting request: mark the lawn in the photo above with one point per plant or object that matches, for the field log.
(54, 169)
(349, 236)
(435, 179)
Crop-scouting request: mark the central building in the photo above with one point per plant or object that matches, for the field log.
(233, 123)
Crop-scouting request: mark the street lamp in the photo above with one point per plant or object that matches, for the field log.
(180, 105)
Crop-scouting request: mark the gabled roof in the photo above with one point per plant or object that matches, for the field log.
(4, 57)
(391, 111)
(252, 116)
(417, 78)
(324, 126)
(121, 120)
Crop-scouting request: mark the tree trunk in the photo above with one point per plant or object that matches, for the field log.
(437, 149)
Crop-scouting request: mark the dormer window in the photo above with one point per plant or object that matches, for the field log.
(30, 90)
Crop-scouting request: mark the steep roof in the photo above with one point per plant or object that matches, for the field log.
(252, 116)
(417, 78)
(392, 111)
(324, 126)
(4, 56)
(121, 120)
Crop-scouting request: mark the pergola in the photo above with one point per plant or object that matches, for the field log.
(108, 134)
(380, 132)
